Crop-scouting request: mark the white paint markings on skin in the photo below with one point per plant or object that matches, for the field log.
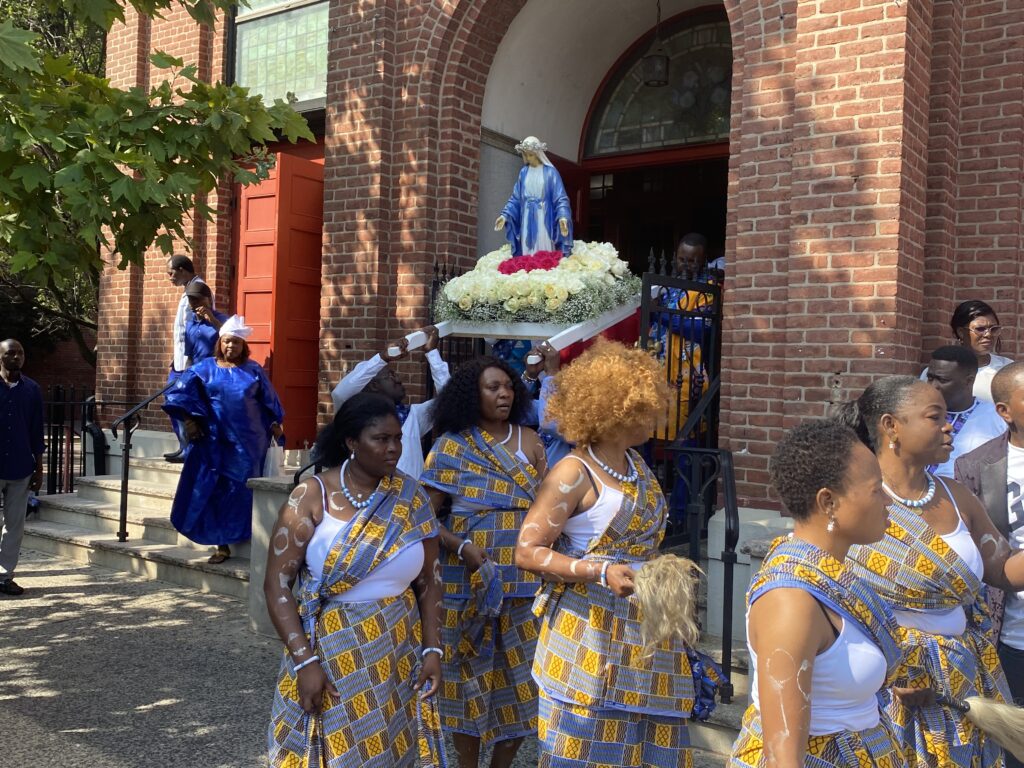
(336, 506)
(282, 580)
(280, 541)
(304, 532)
(296, 496)
(565, 488)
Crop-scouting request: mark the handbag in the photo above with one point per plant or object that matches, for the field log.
(273, 464)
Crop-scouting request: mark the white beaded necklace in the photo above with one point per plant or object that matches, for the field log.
(914, 503)
(348, 494)
(633, 475)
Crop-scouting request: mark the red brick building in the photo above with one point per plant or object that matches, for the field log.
(858, 161)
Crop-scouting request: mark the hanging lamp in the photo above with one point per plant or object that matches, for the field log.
(655, 63)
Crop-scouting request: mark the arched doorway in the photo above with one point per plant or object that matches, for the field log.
(655, 159)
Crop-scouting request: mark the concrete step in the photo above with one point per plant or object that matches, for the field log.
(704, 759)
(78, 512)
(106, 489)
(716, 736)
(156, 471)
(184, 566)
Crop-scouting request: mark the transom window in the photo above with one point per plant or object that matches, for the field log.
(692, 109)
(281, 48)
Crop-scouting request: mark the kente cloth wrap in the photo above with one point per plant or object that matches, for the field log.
(369, 650)
(590, 652)
(488, 630)
(872, 748)
(234, 407)
(792, 563)
(913, 569)
(580, 737)
(479, 472)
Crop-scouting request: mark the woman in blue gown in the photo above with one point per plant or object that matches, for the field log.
(203, 327)
(230, 410)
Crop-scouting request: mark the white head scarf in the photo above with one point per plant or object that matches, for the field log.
(535, 145)
(235, 326)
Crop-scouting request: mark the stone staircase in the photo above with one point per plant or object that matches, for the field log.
(83, 526)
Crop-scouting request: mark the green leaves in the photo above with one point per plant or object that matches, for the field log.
(16, 52)
(84, 165)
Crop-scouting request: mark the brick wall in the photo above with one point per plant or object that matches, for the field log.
(874, 182)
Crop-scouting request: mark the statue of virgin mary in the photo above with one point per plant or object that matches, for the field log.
(537, 217)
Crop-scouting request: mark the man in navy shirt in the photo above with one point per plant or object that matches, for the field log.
(21, 455)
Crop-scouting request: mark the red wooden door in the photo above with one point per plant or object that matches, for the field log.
(277, 287)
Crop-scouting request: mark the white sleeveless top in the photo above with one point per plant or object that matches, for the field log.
(388, 580)
(950, 622)
(845, 678)
(581, 528)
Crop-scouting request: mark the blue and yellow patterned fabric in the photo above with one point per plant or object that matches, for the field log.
(796, 564)
(488, 630)
(912, 568)
(369, 650)
(590, 662)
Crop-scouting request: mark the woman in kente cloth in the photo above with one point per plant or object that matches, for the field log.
(822, 642)
(537, 216)
(362, 657)
(938, 549)
(489, 467)
(230, 410)
(203, 327)
(599, 515)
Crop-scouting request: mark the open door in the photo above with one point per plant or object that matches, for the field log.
(277, 285)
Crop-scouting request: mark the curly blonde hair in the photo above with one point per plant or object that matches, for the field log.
(666, 591)
(607, 387)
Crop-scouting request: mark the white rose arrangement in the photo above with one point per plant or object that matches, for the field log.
(590, 281)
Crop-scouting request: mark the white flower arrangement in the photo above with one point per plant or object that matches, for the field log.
(587, 283)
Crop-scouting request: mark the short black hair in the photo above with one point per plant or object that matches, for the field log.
(198, 288)
(968, 311)
(457, 406)
(694, 240)
(886, 395)
(1007, 380)
(810, 457)
(964, 357)
(356, 414)
(179, 261)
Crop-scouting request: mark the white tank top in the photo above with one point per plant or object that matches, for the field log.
(951, 622)
(845, 678)
(388, 580)
(581, 528)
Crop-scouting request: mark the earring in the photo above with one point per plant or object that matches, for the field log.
(832, 524)
(352, 456)
(892, 446)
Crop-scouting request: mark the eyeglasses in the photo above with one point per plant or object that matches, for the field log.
(985, 330)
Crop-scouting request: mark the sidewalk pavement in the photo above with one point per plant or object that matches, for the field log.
(103, 669)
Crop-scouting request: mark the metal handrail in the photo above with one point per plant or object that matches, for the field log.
(130, 421)
(699, 411)
(732, 537)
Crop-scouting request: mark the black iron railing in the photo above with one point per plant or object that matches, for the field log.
(128, 423)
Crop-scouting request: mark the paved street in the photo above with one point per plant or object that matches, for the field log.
(107, 670)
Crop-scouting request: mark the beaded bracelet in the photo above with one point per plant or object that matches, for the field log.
(306, 663)
(604, 574)
(432, 649)
(462, 546)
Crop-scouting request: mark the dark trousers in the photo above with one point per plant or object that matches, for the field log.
(1013, 665)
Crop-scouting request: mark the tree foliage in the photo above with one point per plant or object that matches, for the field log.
(85, 165)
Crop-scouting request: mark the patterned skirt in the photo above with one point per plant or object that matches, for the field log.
(491, 696)
(580, 737)
(370, 652)
(874, 747)
(962, 666)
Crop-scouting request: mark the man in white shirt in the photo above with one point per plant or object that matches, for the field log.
(994, 472)
(181, 272)
(377, 375)
(951, 371)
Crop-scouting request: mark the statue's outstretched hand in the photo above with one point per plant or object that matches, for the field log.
(563, 227)
(499, 223)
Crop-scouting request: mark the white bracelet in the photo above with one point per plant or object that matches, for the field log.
(306, 663)
(604, 574)
(432, 649)
(458, 552)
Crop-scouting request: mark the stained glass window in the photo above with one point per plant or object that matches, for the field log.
(692, 109)
(283, 52)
